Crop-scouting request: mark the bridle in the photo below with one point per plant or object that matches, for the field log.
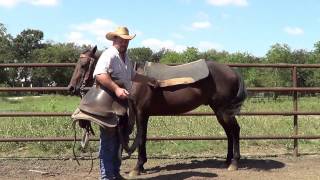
(85, 76)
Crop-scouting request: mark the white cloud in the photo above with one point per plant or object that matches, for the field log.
(13, 3)
(9, 3)
(293, 30)
(228, 2)
(206, 45)
(177, 35)
(98, 27)
(43, 2)
(185, 1)
(225, 15)
(78, 38)
(156, 45)
(202, 15)
(96, 30)
(198, 25)
(201, 25)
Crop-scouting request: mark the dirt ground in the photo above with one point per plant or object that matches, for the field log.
(305, 167)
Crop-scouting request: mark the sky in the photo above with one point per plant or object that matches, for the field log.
(246, 26)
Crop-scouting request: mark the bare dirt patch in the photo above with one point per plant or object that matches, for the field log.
(275, 168)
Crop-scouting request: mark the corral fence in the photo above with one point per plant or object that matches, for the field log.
(295, 113)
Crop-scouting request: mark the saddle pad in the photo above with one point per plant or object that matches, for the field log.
(111, 121)
(175, 75)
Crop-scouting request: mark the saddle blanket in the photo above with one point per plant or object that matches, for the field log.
(176, 75)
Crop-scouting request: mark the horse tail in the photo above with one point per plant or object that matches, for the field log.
(236, 103)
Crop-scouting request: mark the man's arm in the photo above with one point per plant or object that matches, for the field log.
(105, 80)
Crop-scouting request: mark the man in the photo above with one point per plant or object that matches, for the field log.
(113, 66)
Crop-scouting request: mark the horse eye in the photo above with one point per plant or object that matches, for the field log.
(84, 63)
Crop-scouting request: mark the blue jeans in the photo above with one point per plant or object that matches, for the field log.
(109, 153)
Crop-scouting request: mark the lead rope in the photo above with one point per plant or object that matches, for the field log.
(84, 142)
(74, 142)
(86, 135)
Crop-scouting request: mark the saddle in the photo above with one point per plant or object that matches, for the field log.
(101, 102)
(176, 75)
(100, 106)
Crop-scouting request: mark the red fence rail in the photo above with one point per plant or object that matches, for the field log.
(295, 113)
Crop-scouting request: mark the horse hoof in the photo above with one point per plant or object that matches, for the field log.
(232, 167)
(134, 173)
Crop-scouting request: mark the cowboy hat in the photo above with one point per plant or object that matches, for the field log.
(121, 32)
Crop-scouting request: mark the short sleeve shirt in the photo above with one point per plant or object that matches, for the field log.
(111, 63)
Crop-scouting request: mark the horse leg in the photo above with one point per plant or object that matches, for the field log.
(227, 130)
(142, 154)
(232, 131)
(235, 133)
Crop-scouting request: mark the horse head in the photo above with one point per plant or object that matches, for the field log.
(82, 75)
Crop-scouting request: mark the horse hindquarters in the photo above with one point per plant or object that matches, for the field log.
(226, 108)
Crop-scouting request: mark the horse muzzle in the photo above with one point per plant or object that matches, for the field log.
(73, 90)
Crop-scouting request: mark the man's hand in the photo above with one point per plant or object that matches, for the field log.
(121, 93)
(153, 82)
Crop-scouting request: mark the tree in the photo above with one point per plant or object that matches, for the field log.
(171, 57)
(140, 54)
(54, 53)
(317, 48)
(24, 44)
(214, 55)
(252, 76)
(305, 75)
(6, 53)
(280, 53)
(158, 55)
(315, 58)
(190, 54)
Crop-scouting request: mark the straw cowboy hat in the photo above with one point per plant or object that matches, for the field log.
(121, 32)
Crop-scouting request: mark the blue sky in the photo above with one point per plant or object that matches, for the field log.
(233, 25)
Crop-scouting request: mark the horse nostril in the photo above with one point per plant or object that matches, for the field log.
(70, 88)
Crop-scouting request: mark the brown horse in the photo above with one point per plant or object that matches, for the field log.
(82, 74)
(223, 90)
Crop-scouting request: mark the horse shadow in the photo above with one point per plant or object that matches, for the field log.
(183, 175)
(188, 168)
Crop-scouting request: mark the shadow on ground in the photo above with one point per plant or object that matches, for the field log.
(183, 175)
(254, 164)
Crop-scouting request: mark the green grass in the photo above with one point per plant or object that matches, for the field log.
(160, 126)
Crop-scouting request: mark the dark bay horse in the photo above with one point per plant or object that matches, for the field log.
(223, 90)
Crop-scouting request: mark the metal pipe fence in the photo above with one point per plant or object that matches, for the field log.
(294, 90)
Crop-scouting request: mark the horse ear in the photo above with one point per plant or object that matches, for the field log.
(94, 49)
